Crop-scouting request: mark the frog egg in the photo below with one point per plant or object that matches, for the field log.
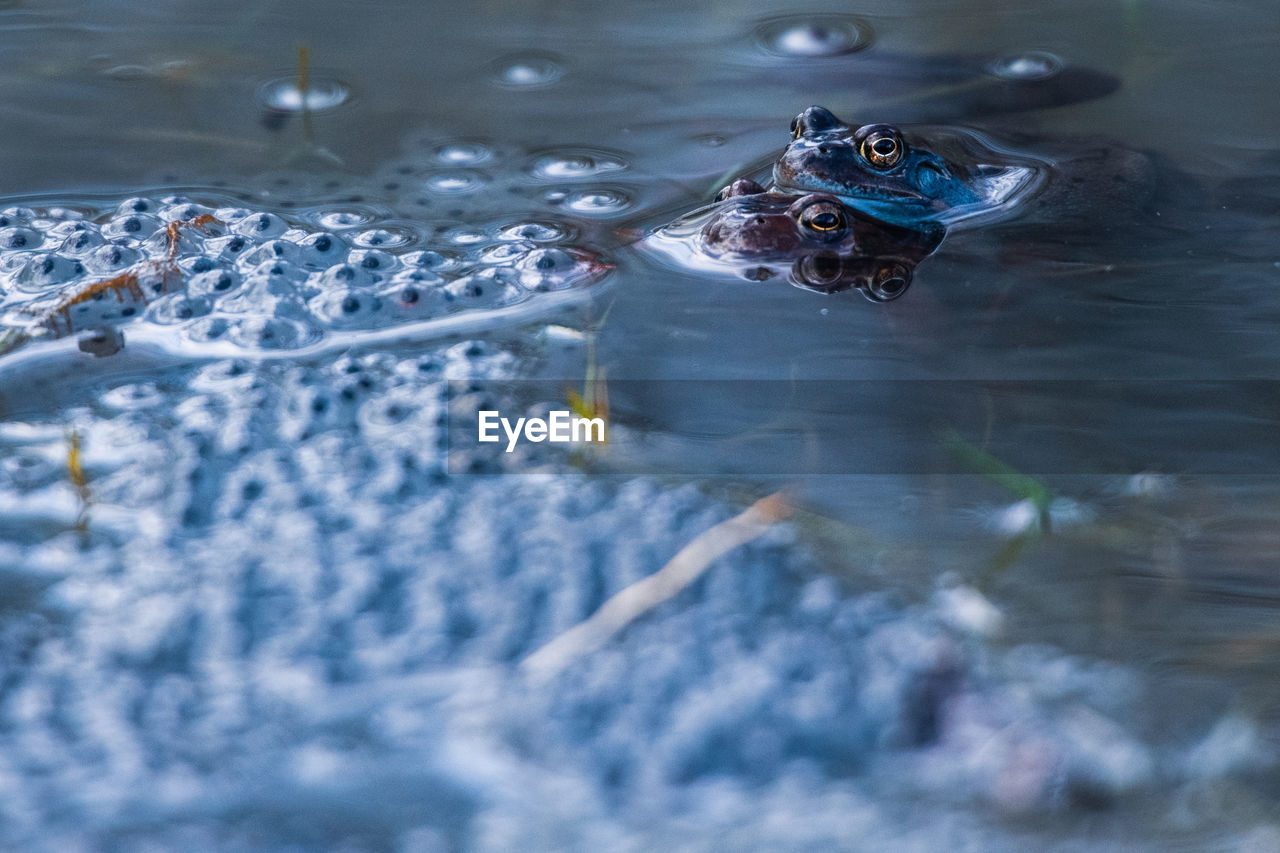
(273, 251)
(487, 288)
(81, 242)
(61, 229)
(431, 260)
(552, 268)
(214, 283)
(318, 251)
(179, 209)
(47, 270)
(271, 333)
(260, 226)
(372, 260)
(814, 35)
(135, 226)
(194, 265)
(535, 232)
(531, 70)
(576, 163)
(228, 247)
(343, 276)
(16, 216)
(456, 182)
(347, 307)
(130, 206)
(20, 238)
(504, 253)
(178, 308)
(416, 290)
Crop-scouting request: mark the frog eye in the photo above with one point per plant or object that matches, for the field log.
(824, 217)
(881, 146)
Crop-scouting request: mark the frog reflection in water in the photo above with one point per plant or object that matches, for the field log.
(882, 172)
(817, 241)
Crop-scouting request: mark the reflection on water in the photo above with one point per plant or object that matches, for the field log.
(280, 582)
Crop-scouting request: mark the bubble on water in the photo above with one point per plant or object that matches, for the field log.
(464, 153)
(1026, 67)
(592, 202)
(535, 232)
(576, 163)
(322, 93)
(455, 182)
(528, 70)
(178, 308)
(814, 35)
(711, 140)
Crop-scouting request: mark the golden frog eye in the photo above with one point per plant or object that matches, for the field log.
(881, 147)
(825, 217)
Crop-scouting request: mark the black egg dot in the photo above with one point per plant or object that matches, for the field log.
(235, 244)
(202, 265)
(277, 270)
(409, 295)
(323, 243)
(80, 242)
(278, 250)
(320, 405)
(46, 266)
(183, 312)
(252, 490)
(115, 255)
(371, 262)
(128, 311)
(132, 224)
(350, 305)
(17, 241)
(264, 222)
(545, 262)
(344, 273)
(223, 282)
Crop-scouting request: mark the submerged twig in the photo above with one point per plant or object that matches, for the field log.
(642, 596)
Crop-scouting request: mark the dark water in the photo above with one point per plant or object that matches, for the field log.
(289, 627)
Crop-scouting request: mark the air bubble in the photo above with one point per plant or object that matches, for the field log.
(814, 35)
(1026, 67)
(528, 70)
(322, 93)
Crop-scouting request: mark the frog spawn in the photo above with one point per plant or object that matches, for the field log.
(262, 279)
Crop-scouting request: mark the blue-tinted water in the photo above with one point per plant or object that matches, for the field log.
(248, 600)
